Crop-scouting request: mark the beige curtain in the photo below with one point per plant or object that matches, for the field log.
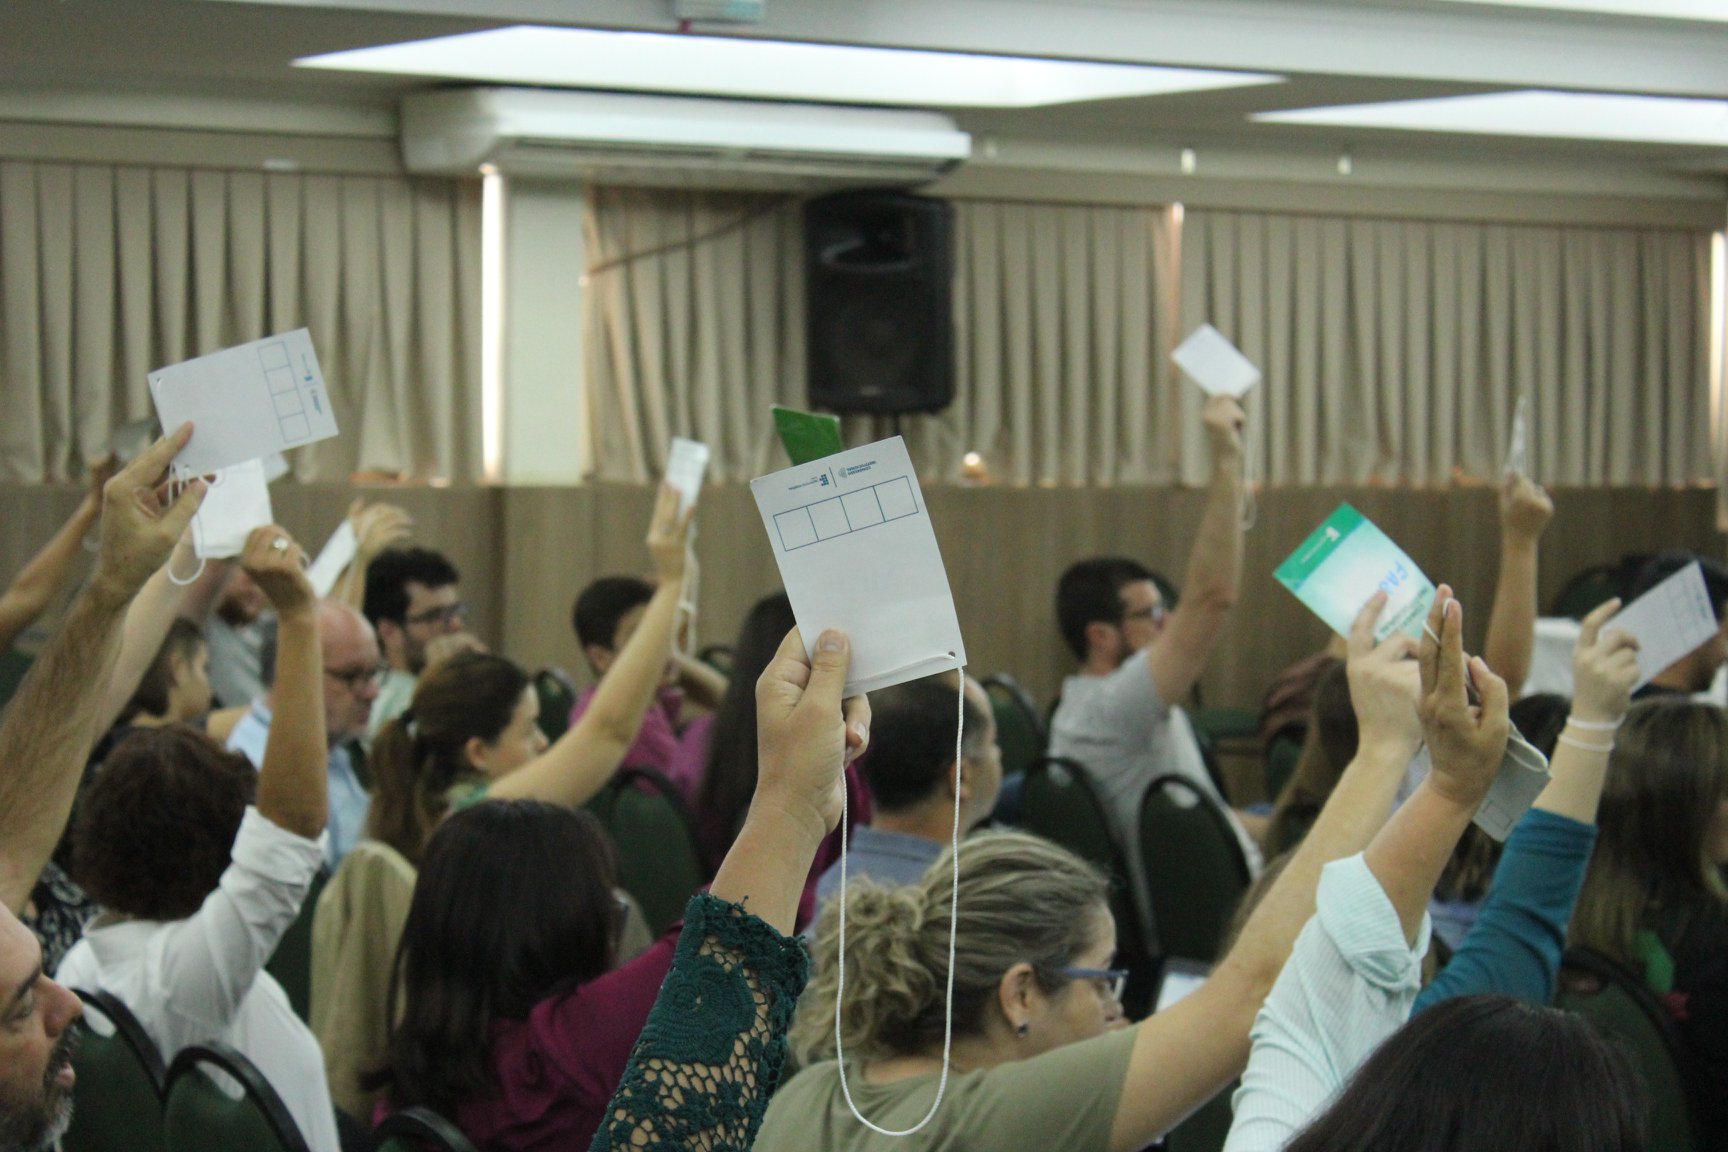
(108, 272)
(1396, 351)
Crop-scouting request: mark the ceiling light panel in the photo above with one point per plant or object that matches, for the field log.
(1566, 115)
(770, 69)
(1714, 10)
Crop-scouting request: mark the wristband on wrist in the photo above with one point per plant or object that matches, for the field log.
(1584, 745)
(1593, 725)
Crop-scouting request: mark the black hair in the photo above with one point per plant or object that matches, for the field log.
(513, 904)
(1540, 718)
(388, 577)
(1487, 1074)
(603, 604)
(1091, 591)
(912, 740)
(731, 777)
(1664, 564)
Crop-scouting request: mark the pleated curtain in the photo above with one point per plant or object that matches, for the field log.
(108, 272)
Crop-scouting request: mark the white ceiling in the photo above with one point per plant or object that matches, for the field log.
(226, 66)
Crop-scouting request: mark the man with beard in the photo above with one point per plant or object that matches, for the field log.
(412, 599)
(44, 739)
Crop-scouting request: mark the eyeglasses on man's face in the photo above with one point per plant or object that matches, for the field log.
(355, 679)
(1152, 614)
(1111, 980)
(448, 614)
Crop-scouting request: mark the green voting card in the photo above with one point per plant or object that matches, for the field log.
(808, 436)
(1345, 562)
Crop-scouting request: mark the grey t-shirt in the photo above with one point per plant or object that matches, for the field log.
(1124, 734)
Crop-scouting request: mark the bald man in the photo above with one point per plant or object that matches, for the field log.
(353, 668)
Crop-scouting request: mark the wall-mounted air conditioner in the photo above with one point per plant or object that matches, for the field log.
(612, 138)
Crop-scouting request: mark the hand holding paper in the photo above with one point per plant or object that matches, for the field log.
(686, 464)
(1344, 562)
(1468, 744)
(1212, 362)
(1525, 508)
(1385, 685)
(1669, 621)
(669, 535)
(140, 526)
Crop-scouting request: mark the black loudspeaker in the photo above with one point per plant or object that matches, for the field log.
(879, 313)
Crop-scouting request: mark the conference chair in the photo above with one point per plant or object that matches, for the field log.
(1059, 804)
(291, 963)
(419, 1130)
(652, 829)
(1624, 1011)
(117, 1098)
(1020, 734)
(199, 1114)
(557, 696)
(1195, 870)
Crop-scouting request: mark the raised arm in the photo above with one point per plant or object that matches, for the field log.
(52, 723)
(293, 783)
(1525, 510)
(376, 527)
(34, 588)
(147, 621)
(584, 758)
(1213, 579)
(1604, 668)
(1185, 1055)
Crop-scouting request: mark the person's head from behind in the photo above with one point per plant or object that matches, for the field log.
(156, 828)
(1486, 1074)
(36, 1044)
(731, 777)
(1032, 961)
(1663, 823)
(1694, 671)
(1108, 608)
(472, 715)
(911, 767)
(514, 902)
(176, 685)
(606, 615)
(412, 598)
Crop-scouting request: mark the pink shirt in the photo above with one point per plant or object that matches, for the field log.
(680, 756)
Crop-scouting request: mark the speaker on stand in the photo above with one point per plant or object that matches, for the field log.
(879, 313)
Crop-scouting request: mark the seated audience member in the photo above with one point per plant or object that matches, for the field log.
(200, 864)
(1042, 1056)
(50, 570)
(411, 599)
(915, 782)
(45, 738)
(1328, 746)
(1654, 899)
(1695, 671)
(1119, 716)
(606, 615)
(350, 683)
(1483, 1073)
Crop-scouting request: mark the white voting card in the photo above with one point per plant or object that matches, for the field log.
(857, 552)
(1668, 621)
(1522, 776)
(245, 402)
(1518, 448)
(1346, 560)
(338, 551)
(1214, 363)
(686, 464)
(238, 501)
(275, 467)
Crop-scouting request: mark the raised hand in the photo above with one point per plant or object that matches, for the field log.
(802, 733)
(1224, 419)
(442, 648)
(278, 566)
(668, 535)
(377, 527)
(1604, 668)
(1385, 685)
(1467, 741)
(1525, 508)
(139, 524)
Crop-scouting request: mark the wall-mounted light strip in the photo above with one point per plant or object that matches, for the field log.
(1566, 115)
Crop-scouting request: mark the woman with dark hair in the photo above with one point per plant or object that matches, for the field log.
(1327, 748)
(200, 864)
(471, 730)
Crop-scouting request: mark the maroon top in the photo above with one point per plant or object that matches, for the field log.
(681, 755)
(557, 1069)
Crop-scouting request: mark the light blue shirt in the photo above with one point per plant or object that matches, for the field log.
(893, 858)
(349, 802)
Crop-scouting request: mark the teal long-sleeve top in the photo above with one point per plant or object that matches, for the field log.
(1514, 948)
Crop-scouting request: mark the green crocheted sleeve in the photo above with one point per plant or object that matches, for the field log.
(714, 1045)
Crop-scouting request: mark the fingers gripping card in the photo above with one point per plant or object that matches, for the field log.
(857, 552)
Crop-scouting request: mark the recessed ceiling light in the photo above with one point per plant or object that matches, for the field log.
(1570, 115)
(1658, 9)
(770, 69)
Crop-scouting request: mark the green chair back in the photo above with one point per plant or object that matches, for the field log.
(718, 657)
(14, 666)
(1019, 730)
(652, 830)
(1282, 756)
(557, 696)
(1059, 804)
(419, 1130)
(117, 1099)
(1195, 870)
(1206, 1129)
(201, 1115)
(1624, 1011)
(291, 963)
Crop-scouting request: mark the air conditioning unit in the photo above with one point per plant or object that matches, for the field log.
(676, 141)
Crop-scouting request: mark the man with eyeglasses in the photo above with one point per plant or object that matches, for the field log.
(412, 599)
(353, 669)
(1118, 715)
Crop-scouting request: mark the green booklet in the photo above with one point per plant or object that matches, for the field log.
(1345, 562)
(808, 436)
